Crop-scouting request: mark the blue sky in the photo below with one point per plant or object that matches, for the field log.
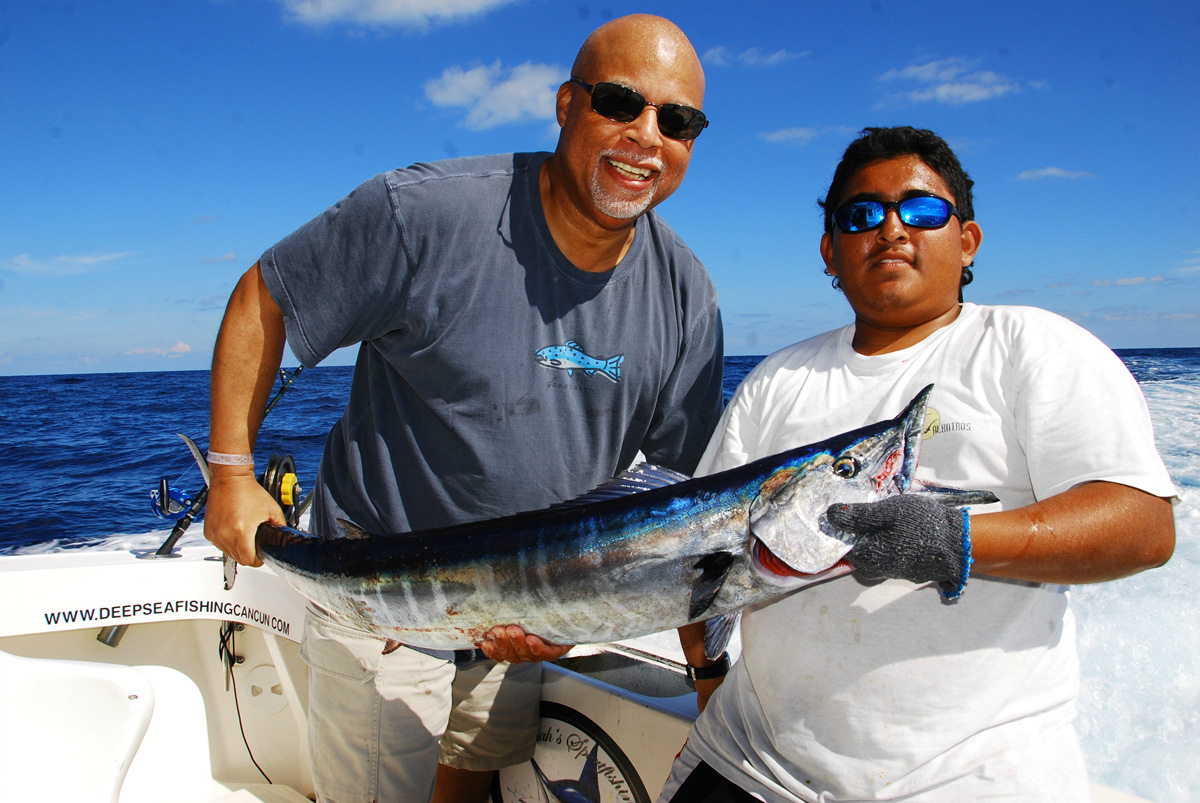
(151, 151)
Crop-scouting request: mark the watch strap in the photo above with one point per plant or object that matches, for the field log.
(717, 669)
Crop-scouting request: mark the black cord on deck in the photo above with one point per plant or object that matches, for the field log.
(228, 657)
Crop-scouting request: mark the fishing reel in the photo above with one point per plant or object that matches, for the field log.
(169, 502)
(280, 481)
(177, 504)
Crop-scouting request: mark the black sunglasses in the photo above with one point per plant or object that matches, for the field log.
(622, 104)
(920, 211)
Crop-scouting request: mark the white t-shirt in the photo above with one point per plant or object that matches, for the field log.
(868, 690)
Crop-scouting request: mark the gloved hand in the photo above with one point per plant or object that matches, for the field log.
(910, 538)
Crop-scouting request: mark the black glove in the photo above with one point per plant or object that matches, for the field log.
(910, 538)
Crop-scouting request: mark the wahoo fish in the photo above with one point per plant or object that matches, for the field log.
(650, 550)
(570, 358)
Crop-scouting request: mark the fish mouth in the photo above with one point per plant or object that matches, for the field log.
(769, 562)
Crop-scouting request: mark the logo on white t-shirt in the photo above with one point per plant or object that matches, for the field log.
(934, 425)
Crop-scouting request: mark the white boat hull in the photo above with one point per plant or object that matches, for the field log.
(160, 718)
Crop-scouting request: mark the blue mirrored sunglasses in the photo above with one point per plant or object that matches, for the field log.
(920, 211)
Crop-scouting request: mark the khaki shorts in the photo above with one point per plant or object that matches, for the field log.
(380, 724)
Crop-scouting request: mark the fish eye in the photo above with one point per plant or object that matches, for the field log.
(845, 467)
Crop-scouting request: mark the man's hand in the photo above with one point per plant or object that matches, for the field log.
(510, 643)
(237, 504)
(909, 538)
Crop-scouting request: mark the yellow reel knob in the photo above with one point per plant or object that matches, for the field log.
(289, 489)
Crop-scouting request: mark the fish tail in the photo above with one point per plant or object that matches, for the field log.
(612, 367)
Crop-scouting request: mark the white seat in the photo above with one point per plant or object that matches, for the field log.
(174, 762)
(69, 730)
(78, 731)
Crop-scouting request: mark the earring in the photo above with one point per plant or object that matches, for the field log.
(835, 283)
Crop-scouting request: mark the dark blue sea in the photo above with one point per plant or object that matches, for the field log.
(80, 454)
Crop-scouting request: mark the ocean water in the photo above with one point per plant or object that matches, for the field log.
(79, 456)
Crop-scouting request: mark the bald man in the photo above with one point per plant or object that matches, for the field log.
(460, 281)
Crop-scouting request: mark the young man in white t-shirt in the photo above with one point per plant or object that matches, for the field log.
(898, 682)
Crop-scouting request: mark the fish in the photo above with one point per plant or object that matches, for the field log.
(649, 551)
(571, 358)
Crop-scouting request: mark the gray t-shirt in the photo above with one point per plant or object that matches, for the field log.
(493, 375)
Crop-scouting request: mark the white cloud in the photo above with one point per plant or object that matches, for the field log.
(1190, 263)
(41, 318)
(800, 135)
(752, 57)
(1053, 172)
(794, 136)
(952, 81)
(495, 97)
(65, 265)
(1129, 312)
(1128, 281)
(230, 257)
(720, 56)
(388, 13)
(178, 350)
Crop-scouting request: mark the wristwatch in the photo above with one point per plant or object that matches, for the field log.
(717, 669)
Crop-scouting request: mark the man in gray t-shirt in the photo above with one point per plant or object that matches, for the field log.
(528, 325)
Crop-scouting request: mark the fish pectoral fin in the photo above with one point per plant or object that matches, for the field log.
(717, 633)
(714, 568)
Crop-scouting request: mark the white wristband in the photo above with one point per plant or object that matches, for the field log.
(224, 459)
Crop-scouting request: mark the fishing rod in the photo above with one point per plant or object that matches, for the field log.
(285, 382)
(279, 478)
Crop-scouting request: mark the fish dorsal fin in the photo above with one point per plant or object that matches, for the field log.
(352, 530)
(571, 344)
(635, 479)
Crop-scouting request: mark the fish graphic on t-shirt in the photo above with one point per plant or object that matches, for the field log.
(571, 358)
